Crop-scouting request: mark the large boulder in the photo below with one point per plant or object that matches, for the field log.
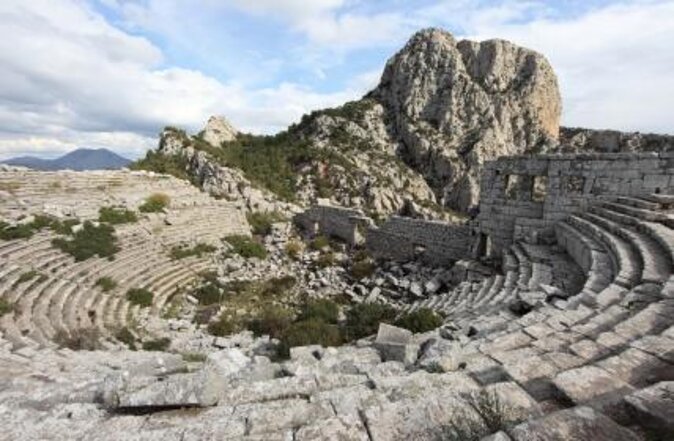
(395, 344)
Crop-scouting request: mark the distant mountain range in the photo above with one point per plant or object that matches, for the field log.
(80, 159)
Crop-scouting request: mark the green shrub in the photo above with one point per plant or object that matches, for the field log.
(181, 252)
(420, 320)
(209, 293)
(116, 215)
(364, 319)
(127, 337)
(175, 165)
(277, 286)
(26, 230)
(261, 222)
(362, 268)
(160, 344)
(106, 284)
(89, 241)
(324, 310)
(155, 203)
(294, 249)
(246, 247)
(140, 296)
(309, 332)
(272, 320)
(65, 226)
(319, 243)
(5, 307)
(326, 260)
(225, 325)
(24, 277)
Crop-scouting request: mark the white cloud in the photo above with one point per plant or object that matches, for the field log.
(70, 79)
(614, 63)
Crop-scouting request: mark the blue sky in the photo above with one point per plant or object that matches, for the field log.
(112, 73)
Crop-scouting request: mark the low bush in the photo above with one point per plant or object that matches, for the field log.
(91, 240)
(277, 286)
(82, 339)
(420, 320)
(246, 247)
(309, 332)
(226, 324)
(106, 284)
(140, 296)
(319, 243)
(362, 268)
(261, 222)
(272, 320)
(116, 215)
(155, 203)
(127, 337)
(24, 277)
(324, 310)
(326, 260)
(364, 319)
(209, 293)
(180, 252)
(39, 222)
(175, 165)
(159, 344)
(294, 249)
(5, 307)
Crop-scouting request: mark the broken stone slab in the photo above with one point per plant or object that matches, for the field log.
(143, 388)
(654, 406)
(395, 344)
(578, 423)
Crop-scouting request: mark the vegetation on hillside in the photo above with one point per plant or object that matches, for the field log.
(28, 229)
(246, 247)
(155, 203)
(5, 307)
(116, 215)
(174, 165)
(261, 221)
(106, 284)
(182, 251)
(89, 241)
(140, 296)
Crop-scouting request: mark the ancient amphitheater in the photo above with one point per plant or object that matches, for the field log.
(573, 339)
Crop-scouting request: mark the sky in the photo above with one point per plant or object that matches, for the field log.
(113, 73)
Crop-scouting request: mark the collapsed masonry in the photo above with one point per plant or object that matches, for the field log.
(522, 198)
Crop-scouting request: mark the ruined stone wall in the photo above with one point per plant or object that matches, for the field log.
(399, 238)
(525, 195)
(435, 242)
(344, 223)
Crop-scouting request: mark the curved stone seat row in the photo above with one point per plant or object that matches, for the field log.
(63, 296)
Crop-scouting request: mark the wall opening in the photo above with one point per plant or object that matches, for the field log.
(483, 246)
(512, 187)
(539, 188)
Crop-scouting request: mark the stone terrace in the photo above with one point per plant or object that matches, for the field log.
(575, 338)
(64, 296)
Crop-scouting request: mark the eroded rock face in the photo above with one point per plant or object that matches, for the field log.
(455, 104)
(218, 130)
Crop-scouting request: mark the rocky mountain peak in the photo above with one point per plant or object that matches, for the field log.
(218, 130)
(454, 104)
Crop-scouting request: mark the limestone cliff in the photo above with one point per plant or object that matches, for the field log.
(454, 104)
